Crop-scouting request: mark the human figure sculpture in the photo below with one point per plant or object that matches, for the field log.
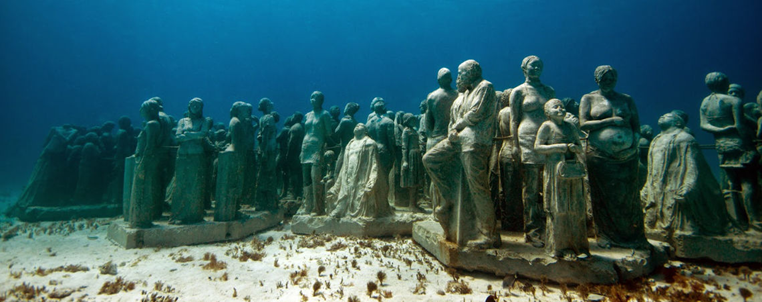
(681, 194)
(357, 192)
(411, 167)
(167, 169)
(295, 139)
(317, 126)
(125, 144)
(511, 207)
(646, 135)
(563, 189)
(91, 182)
(527, 101)
(437, 118)
(193, 165)
(683, 115)
(611, 118)
(46, 186)
(468, 144)
(722, 115)
(281, 166)
(381, 130)
(345, 130)
(397, 194)
(266, 196)
(147, 188)
(235, 168)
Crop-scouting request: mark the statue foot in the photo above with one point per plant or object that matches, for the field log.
(483, 243)
(604, 243)
(569, 256)
(534, 241)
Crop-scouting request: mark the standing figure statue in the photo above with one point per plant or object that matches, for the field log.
(345, 129)
(611, 119)
(467, 148)
(266, 195)
(381, 130)
(281, 171)
(722, 115)
(511, 206)
(681, 194)
(192, 168)
(437, 118)
(411, 168)
(527, 101)
(235, 165)
(147, 189)
(563, 190)
(317, 125)
(293, 162)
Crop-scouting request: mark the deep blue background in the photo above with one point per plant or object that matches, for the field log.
(86, 62)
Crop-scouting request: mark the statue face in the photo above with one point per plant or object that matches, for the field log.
(668, 121)
(557, 111)
(533, 69)
(195, 108)
(607, 82)
(360, 131)
(379, 107)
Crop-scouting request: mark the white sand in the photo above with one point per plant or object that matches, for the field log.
(84, 243)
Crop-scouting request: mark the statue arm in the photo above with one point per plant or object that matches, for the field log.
(738, 117)
(706, 125)
(541, 143)
(634, 121)
(153, 131)
(515, 118)
(481, 110)
(406, 143)
(586, 121)
(429, 116)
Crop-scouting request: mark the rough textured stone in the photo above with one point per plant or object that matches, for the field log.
(516, 257)
(398, 224)
(726, 249)
(33, 214)
(166, 235)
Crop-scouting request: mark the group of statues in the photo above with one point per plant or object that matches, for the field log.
(485, 159)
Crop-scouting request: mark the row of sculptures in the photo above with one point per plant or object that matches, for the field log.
(518, 159)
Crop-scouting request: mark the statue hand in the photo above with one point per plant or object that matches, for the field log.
(617, 121)
(453, 136)
(575, 148)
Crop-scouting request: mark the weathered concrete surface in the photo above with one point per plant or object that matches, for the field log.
(165, 235)
(741, 248)
(397, 224)
(516, 257)
(34, 214)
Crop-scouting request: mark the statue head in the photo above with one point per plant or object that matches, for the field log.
(554, 108)
(329, 156)
(571, 106)
(423, 106)
(196, 108)
(298, 117)
(160, 101)
(409, 120)
(737, 91)
(360, 131)
(647, 132)
(149, 110)
(378, 105)
(682, 115)
(469, 72)
(241, 110)
(444, 78)
(717, 82)
(669, 121)
(351, 108)
(606, 77)
(532, 67)
(335, 111)
(288, 122)
(265, 106)
(107, 127)
(316, 99)
(125, 123)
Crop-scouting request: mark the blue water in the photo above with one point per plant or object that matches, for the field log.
(86, 62)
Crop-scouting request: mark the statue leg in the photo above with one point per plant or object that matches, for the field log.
(309, 198)
(476, 167)
(441, 163)
(534, 223)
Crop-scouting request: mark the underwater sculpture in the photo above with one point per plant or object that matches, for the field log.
(317, 126)
(467, 149)
(612, 120)
(293, 164)
(437, 118)
(345, 130)
(527, 101)
(357, 191)
(235, 168)
(124, 147)
(563, 190)
(381, 130)
(722, 115)
(411, 167)
(281, 166)
(511, 205)
(193, 165)
(681, 194)
(147, 189)
(266, 193)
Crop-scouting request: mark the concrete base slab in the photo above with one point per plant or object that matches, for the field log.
(742, 248)
(34, 214)
(605, 266)
(166, 235)
(397, 224)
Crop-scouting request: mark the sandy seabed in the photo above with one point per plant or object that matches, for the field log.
(73, 261)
